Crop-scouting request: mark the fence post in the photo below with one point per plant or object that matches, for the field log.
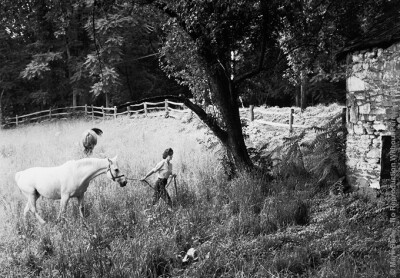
(128, 108)
(92, 112)
(16, 120)
(85, 109)
(166, 107)
(115, 112)
(251, 113)
(291, 120)
(102, 111)
(50, 113)
(145, 108)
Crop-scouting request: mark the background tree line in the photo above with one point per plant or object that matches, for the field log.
(275, 52)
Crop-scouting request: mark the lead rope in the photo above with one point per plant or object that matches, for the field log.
(145, 181)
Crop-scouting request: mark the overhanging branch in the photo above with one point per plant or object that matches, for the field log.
(206, 118)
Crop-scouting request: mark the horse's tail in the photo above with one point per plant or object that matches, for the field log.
(17, 175)
(98, 131)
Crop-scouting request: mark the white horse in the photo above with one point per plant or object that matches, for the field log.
(89, 139)
(68, 180)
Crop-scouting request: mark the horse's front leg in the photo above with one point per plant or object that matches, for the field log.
(63, 206)
(80, 205)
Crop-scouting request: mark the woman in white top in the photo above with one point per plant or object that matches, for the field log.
(164, 170)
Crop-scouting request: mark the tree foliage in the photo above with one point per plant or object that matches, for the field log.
(80, 50)
(313, 31)
(87, 49)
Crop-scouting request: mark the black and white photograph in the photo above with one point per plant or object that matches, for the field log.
(200, 139)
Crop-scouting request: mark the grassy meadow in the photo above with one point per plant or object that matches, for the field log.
(245, 227)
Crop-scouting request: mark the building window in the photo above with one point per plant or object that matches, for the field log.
(385, 159)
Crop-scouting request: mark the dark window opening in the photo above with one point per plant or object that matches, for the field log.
(385, 158)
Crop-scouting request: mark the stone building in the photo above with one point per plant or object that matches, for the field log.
(373, 90)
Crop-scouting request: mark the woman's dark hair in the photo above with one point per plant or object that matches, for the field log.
(167, 152)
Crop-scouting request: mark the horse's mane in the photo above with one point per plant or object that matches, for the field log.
(90, 160)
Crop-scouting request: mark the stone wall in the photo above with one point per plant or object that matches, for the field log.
(373, 88)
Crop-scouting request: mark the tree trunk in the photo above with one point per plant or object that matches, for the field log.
(1, 109)
(74, 97)
(303, 98)
(227, 99)
(74, 94)
(297, 98)
(128, 82)
(230, 132)
(107, 100)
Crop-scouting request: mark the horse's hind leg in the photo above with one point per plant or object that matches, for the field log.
(80, 205)
(32, 204)
(26, 210)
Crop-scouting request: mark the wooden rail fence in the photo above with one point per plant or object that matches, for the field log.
(143, 108)
(96, 112)
(291, 124)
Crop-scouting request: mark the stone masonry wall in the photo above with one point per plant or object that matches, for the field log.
(373, 88)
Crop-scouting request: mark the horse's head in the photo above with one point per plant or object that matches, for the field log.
(113, 172)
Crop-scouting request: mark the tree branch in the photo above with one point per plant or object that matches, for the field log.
(206, 118)
(163, 7)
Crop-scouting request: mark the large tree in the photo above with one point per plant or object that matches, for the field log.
(218, 48)
(222, 44)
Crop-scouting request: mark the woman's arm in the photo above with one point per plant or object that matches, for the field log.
(148, 174)
(152, 171)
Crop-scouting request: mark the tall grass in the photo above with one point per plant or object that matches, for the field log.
(246, 227)
(116, 220)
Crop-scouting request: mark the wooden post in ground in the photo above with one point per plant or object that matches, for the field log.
(50, 113)
(166, 107)
(92, 113)
(16, 120)
(128, 108)
(251, 113)
(102, 111)
(85, 109)
(115, 112)
(291, 120)
(145, 108)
